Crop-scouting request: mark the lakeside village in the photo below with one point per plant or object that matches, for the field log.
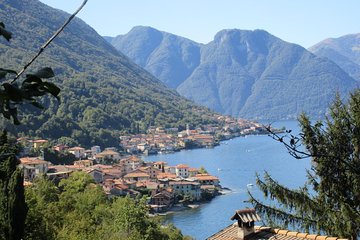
(122, 173)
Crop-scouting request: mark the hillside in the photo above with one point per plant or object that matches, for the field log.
(250, 74)
(103, 92)
(344, 51)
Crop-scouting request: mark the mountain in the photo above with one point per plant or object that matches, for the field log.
(250, 74)
(169, 57)
(103, 92)
(344, 51)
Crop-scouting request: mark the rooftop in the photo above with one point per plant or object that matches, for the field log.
(230, 233)
(32, 161)
(76, 149)
(182, 166)
(136, 174)
(206, 177)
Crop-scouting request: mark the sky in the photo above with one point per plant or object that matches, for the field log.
(304, 22)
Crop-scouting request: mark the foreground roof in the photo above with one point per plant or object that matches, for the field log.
(230, 233)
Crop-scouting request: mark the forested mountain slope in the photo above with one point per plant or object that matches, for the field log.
(344, 51)
(103, 92)
(169, 57)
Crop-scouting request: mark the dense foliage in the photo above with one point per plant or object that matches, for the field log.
(249, 74)
(103, 92)
(79, 209)
(330, 202)
(12, 201)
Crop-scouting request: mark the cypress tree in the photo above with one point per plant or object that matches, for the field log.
(330, 202)
(12, 200)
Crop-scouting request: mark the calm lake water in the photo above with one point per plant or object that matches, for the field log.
(235, 162)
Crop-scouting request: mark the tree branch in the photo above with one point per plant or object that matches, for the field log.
(49, 41)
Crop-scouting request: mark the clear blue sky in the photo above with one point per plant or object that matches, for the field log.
(304, 22)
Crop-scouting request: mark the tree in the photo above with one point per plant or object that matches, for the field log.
(43, 215)
(12, 200)
(330, 201)
(202, 170)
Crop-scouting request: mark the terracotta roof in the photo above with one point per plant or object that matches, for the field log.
(107, 152)
(230, 233)
(102, 166)
(193, 169)
(165, 175)
(160, 162)
(182, 166)
(112, 171)
(76, 149)
(32, 160)
(131, 158)
(205, 177)
(136, 174)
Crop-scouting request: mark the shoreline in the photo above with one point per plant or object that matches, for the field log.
(180, 207)
(202, 147)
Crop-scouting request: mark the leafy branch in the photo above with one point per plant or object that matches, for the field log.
(294, 143)
(33, 86)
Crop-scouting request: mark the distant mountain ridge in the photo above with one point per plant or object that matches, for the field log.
(170, 58)
(250, 74)
(103, 92)
(344, 51)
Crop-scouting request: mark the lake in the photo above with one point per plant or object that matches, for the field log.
(235, 162)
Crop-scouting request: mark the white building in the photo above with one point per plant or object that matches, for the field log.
(182, 170)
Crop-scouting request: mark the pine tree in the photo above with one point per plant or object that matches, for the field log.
(330, 202)
(12, 200)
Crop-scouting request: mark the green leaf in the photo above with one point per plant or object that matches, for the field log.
(13, 92)
(13, 112)
(3, 32)
(38, 105)
(4, 72)
(52, 89)
(44, 73)
(31, 79)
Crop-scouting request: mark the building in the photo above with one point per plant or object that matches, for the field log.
(95, 150)
(107, 154)
(207, 179)
(161, 199)
(160, 165)
(84, 163)
(78, 152)
(97, 175)
(182, 170)
(60, 147)
(137, 175)
(152, 171)
(131, 163)
(186, 188)
(37, 144)
(193, 172)
(33, 166)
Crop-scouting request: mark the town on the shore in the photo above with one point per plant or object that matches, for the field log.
(121, 171)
